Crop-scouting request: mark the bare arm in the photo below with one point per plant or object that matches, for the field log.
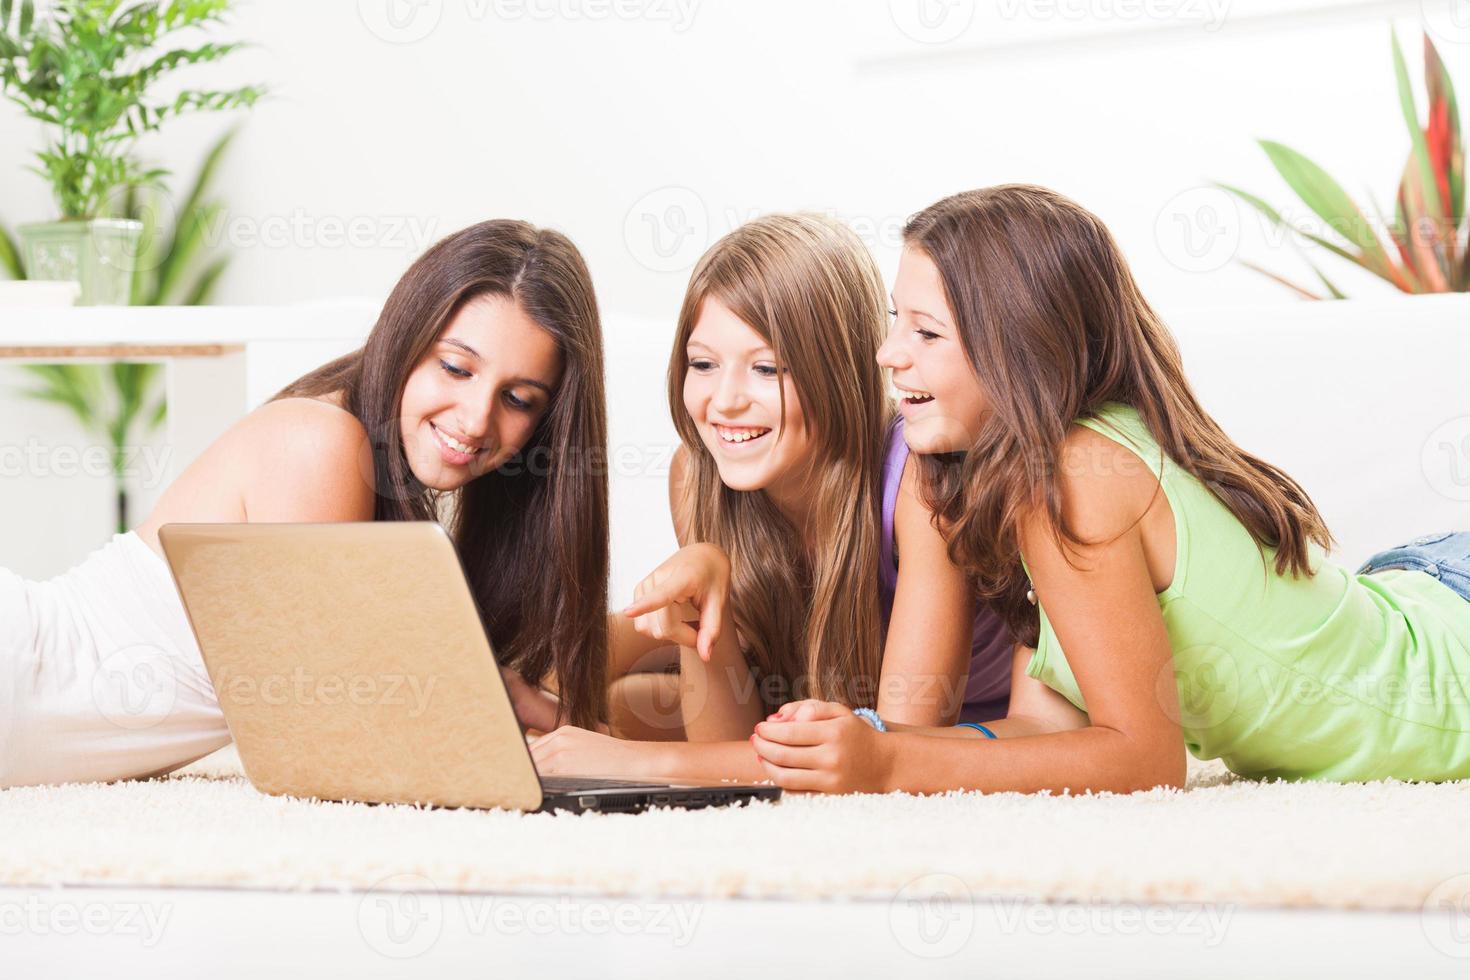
(572, 751)
(1104, 609)
(685, 600)
(1035, 709)
(926, 660)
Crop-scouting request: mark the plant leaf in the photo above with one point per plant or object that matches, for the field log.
(1445, 140)
(192, 221)
(1329, 202)
(1421, 232)
(203, 289)
(1301, 291)
(1432, 206)
(10, 255)
(1388, 271)
(190, 238)
(77, 387)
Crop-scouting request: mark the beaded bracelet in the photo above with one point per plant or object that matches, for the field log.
(871, 717)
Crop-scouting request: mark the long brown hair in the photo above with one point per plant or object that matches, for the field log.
(809, 287)
(533, 535)
(1054, 326)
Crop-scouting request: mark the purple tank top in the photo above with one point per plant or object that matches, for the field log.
(988, 689)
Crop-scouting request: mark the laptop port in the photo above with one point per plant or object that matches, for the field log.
(661, 799)
(587, 802)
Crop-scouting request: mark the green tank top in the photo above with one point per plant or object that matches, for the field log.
(1333, 676)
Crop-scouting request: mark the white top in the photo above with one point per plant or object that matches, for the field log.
(100, 675)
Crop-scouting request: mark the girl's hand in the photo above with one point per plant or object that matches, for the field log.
(834, 752)
(809, 710)
(688, 591)
(572, 751)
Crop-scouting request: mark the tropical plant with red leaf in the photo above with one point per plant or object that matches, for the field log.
(1426, 249)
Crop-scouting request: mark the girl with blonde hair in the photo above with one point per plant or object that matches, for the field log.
(788, 495)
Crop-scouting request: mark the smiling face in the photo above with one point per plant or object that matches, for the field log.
(940, 397)
(732, 390)
(476, 397)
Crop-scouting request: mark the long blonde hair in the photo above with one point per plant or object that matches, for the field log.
(809, 287)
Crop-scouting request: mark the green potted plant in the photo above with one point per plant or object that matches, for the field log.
(88, 71)
(1425, 250)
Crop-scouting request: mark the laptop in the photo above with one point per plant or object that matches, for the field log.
(351, 663)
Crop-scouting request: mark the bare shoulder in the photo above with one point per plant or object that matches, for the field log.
(308, 460)
(1105, 487)
(910, 489)
(317, 418)
(912, 516)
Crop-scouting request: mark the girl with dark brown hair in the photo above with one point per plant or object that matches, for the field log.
(477, 399)
(1170, 590)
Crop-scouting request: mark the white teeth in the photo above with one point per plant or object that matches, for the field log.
(455, 444)
(742, 436)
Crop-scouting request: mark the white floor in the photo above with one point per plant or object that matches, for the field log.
(163, 933)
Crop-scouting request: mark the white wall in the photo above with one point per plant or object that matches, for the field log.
(646, 137)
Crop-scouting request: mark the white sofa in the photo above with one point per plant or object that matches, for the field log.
(1365, 402)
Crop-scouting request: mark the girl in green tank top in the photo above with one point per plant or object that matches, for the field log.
(1171, 591)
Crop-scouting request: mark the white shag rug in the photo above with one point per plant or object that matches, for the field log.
(1223, 840)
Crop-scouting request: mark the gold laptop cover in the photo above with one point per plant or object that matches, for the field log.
(351, 663)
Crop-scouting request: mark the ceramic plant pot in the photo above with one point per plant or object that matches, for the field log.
(99, 254)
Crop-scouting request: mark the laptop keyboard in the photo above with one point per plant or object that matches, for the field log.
(575, 784)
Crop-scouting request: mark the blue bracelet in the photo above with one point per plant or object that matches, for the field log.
(871, 717)
(978, 727)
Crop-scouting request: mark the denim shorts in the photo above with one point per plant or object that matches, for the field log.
(1445, 556)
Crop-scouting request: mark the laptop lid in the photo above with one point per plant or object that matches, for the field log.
(351, 662)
